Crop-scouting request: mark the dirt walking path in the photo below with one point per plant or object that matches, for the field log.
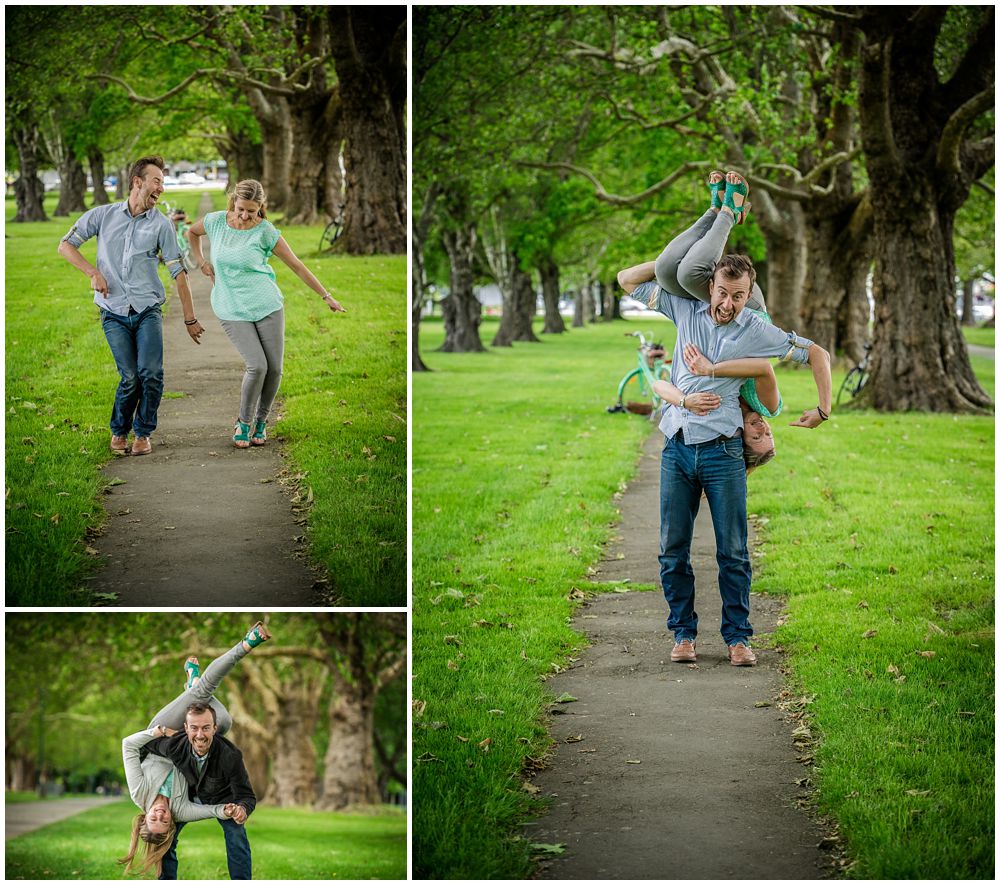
(23, 817)
(199, 522)
(662, 770)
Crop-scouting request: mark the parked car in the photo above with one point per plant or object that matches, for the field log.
(170, 181)
(111, 181)
(190, 178)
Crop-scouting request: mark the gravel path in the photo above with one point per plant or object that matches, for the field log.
(23, 817)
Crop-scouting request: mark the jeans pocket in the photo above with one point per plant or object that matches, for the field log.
(733, 448)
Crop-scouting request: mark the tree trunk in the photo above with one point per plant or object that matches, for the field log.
(834, 294)
(610, 306)
(364, 42)
(917, 183)
(29, 191)
(548, 271)
(969, 302)
(578, 307)
(786, 269)
(349, 766)
(73, 187)
(96, 160)
(293, 764)
(518, 310)
(315, 141)
(122, 185)
(461, 310)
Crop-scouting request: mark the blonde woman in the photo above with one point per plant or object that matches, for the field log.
(157, 785)
(247, 300)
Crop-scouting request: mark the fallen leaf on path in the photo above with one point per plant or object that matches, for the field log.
(633, 762)
(530, 788)
(266, 479)
(544, 848)
(565, 698)
(485, 745)
(170, 527)
(575, 739)
(762, 704)
(91, 551)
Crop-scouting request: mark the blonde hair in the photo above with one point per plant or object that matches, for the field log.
(249, 189)
(152, 849)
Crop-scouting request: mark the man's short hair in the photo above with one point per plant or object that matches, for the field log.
(139, 167)
(201, 708)
(735, 266)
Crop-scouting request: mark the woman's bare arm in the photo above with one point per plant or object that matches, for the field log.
(283, 251)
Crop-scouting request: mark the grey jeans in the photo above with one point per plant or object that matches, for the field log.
(172, 715)
(262, 346)
(686, 265)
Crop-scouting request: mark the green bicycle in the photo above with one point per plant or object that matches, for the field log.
(635, 390)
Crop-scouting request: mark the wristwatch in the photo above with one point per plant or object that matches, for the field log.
(681, 403)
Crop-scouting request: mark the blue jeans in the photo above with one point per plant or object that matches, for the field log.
(136, 343)
(718, 468)
(237, 852)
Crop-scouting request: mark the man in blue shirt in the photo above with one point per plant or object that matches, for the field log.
(704, 449)
(131, 238)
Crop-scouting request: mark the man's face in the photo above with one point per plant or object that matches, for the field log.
(728, 297)
(149, 187)
(200, 729)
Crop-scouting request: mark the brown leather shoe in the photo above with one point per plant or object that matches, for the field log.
(119, 444)
(740, 655)
(141, 446)
(683, 651)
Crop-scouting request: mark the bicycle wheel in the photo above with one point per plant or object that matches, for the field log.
(330, 234)
(856, 379)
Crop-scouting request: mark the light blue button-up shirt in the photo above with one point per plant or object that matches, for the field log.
(128, 250)
(746, 336)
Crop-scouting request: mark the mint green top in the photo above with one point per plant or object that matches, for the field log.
(168, 785)
(245, 288)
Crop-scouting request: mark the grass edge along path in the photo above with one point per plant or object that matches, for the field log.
(286, 844)
(491, 590)
(343, 392)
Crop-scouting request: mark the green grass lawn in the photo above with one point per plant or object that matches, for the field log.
(873, 522)
(981, 335)
(286, 844)
(343, 401)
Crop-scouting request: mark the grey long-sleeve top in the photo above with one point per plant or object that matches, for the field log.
(145, 779)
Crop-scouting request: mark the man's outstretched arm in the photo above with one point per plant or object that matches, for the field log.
(819, 362)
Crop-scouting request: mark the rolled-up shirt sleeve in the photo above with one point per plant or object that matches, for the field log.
(170, 250)
(654, 297)
(771, 341)
(87, 226)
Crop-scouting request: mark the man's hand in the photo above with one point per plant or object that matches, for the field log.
(98, 283)
(239, 814)
(194, 330)
(702, 403)
(696, 361)
(810, 419)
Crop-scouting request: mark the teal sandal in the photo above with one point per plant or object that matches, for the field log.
(241, 438)
(256, 635)
(259, 436)
(739, 212)
(715, 187)
(193, 672)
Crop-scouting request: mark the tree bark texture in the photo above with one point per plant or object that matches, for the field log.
(349, 777)
(73, 187)
(461, 310)
(368, 44)
(518, 310)
(921, 167)
(968, 302)
(28, 188)
(315, 139)
(548, 271)
(293, 765)
(835, 307)
(786, 266)
(96, 161)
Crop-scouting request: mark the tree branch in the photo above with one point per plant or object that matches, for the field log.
(615, 199)
(139, 99)
(834, 15)
(948, 159)
(984, 186)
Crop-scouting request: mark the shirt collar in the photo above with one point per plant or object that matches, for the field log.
(128, 212)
